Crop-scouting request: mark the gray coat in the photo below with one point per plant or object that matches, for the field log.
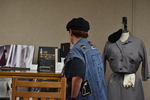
(126, 57)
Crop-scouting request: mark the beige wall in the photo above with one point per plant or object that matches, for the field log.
(43, 22)
(142, 30)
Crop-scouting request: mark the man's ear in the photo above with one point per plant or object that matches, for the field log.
(70, 32)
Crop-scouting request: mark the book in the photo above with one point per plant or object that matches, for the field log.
(5, 53)
(5, 87)
(60, 56)
(9, 53)
(46, 59)
(23, 56)
(65, 48)
(20, 56)
(59, 63)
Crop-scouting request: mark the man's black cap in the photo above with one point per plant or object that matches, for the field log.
(78, 24)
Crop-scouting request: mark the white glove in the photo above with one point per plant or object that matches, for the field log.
(129, 80)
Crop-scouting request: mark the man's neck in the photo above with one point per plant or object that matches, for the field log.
(75, 40)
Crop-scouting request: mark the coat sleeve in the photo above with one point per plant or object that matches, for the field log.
(104, 56)
(145, 70)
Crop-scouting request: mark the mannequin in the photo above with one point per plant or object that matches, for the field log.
(125, 33)
(129, 79)
(125, 53)
(124, 36)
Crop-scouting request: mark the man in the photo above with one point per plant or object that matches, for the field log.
(83, 65)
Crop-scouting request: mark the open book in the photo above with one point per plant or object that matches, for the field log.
(16, 56)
